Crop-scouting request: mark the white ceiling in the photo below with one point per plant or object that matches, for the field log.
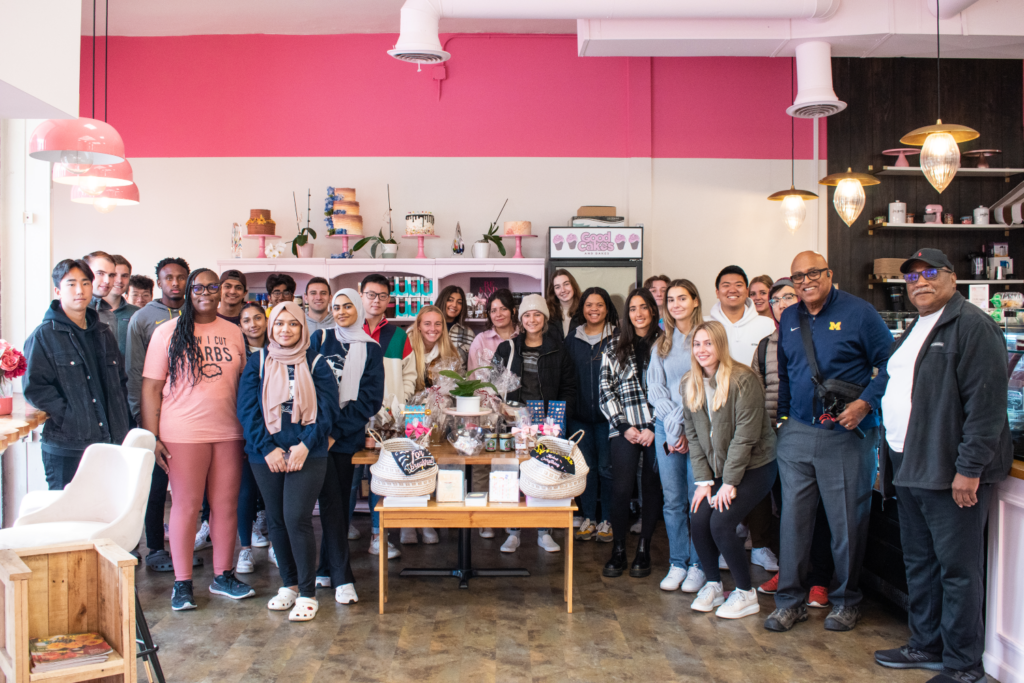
(295, 17)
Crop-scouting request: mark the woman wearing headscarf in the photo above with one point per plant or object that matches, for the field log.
(357, 363)
(288, 401)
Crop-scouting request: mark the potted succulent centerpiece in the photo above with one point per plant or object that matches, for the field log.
(464, 393)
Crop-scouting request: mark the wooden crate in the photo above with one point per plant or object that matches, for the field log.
(69, 588)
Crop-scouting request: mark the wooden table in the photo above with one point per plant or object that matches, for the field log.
(459, 516)
(20, 422)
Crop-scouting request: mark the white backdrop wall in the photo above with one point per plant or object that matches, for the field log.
(699, 214)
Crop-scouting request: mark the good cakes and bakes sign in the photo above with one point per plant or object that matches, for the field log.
(595, 243)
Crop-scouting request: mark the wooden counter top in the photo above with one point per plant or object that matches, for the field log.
(1017, 469)
(19, 423)
(444, 454)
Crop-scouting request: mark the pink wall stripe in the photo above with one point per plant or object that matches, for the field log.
(502, 95)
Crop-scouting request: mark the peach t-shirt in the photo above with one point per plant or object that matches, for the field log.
(204, 413)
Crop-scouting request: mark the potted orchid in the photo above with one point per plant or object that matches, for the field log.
(12, 366)
(482, 247)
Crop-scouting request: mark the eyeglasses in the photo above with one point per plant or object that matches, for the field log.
(211, 288)
(379, 296)
(812, 274)
(787, 298)
(927, 274)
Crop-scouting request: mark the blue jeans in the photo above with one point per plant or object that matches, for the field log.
(677, 484)
(360, 471)
(594, 446)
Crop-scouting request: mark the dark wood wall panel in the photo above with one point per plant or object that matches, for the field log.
(887, 99)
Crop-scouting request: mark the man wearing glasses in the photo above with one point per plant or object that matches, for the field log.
(945, 422)
(826, 450)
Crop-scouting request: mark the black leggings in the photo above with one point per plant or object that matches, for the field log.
(155, 510)
(625, 457)
(290, 497)
(714, 532)
(334, 504)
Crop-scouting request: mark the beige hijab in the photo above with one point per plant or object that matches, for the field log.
(275, 374)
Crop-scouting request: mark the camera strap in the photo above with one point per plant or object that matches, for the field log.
(812, 360)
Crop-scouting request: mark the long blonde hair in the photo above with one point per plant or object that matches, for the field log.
(696, 316)
(693, 381)
(444, 343)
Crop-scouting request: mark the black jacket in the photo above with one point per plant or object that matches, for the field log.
(958, 422)
(83, 408)
(587, 361)
(556, 371)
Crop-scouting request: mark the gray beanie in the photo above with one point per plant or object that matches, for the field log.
(779, 284)
(534, 302)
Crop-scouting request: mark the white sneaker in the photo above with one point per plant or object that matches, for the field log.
(511, 543)
(272, 556)
(722, 564)
(408, 537)
(740, 604)
(673, 579)
(316, 509)
(429, 536)
(258, 539)
(261, 522)
(694, 580)
(548, 543)
(487, 532)
(576, 521)
(748, 544)
(637, 528)
(203, 537)
(604, 532)
(765, 558)
(346, 594)
(245, 565)
(393, 552)
(709, 597)
(323, 582)
(353, 533)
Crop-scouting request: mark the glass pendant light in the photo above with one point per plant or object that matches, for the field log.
(793, 210)
(940, 155)
(849, 196)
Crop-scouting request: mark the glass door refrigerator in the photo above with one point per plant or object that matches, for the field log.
(608, 257)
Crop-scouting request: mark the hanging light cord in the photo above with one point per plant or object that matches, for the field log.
(792, 125)
(106, 51)
(94, 58)
(938, 64)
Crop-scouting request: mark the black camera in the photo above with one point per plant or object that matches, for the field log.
(832, 406)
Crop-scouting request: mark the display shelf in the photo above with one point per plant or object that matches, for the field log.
(943, 226)
(961, 173)
(960, 283)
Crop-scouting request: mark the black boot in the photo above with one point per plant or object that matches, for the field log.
(642, 561)
(617, 564)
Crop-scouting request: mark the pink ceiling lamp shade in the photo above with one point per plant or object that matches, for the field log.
(126, 195)
(97, 179)
(76, 143)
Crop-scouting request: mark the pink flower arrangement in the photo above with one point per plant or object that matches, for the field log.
(12, 362)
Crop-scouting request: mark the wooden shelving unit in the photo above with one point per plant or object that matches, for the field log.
(943, 226)
(961, 173)
(872, 281)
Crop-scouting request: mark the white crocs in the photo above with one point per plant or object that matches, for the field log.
(305, 609)
(284, 599)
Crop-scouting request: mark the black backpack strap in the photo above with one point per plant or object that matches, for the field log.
(762, 360)
(812, 361)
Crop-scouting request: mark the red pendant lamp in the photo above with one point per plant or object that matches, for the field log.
(126, 195)
(97, 179)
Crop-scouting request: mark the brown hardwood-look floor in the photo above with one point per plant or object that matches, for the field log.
(502, 629)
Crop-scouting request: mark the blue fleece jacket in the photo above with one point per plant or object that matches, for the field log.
(850, 339)
(258, 441)
(349, 430)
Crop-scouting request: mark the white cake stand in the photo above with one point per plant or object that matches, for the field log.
(519, 244)
(263, 242)
(420, 253)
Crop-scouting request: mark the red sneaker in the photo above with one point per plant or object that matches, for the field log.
(818, 597)
(769, 587)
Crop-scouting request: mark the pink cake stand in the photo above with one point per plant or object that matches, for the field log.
(420, 253)
(902, 153)
(519, 244)
(263, 242)
(344, 240)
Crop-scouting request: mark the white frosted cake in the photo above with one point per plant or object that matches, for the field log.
(421, 223)
(518, 228)
(345, 213)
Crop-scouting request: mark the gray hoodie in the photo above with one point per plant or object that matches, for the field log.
(317, 325)
(140, 331)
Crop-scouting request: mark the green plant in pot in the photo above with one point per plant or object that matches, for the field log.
(482, 248)
(301, 247)
(387, 245)
(464, 393)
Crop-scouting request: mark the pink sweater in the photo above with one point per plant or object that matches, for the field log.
(482, 349)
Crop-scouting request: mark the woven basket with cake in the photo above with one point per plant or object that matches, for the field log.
(390, 479)
(544, 475)
(260, 222)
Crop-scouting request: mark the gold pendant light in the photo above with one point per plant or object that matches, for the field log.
(940, 155)
(849, 196)
(793, 210)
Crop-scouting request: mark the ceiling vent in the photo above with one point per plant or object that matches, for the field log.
(418, 42)
(815, 97)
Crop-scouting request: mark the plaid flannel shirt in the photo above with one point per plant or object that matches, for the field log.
(623, 393)
(461, 339)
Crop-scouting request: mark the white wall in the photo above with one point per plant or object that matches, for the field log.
(700, 214)
(40, 49)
